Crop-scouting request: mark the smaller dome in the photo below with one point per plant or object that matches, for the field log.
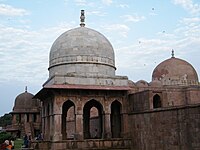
(131, 83)
(24, 102)
(155, 83)
(142, 83)
(175, 71)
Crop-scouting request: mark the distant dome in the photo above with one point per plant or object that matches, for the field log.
(25, 102)
(142, 83)
(82, 52)
(175, 70)
(155, 83)
(131, 83)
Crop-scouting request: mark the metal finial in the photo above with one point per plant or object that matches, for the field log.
(82, 17)
(26, 89)
(172, 53)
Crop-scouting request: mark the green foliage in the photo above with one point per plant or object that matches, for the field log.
(18, 143)
(5, 120)
(5, 136)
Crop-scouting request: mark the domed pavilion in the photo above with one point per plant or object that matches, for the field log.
(26, 117)
(82, 94)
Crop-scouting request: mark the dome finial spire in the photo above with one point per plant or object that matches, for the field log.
(82, 17)
(172, 53)
(25, 88)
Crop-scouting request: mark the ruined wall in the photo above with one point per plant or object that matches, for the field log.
(166, 129)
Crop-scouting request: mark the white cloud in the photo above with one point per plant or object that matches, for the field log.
(132, 18)
(122, 29)
(24, 54)
(184, 39)
(7, 10)
(123, 5)
(98, 13)
(190, 20)
(189, 6)
(81, 2)
(107, 2)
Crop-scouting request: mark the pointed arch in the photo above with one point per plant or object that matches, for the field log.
(116, 119)
(157, 101)
(92, 119)
(68, 119)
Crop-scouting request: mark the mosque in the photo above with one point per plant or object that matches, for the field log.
(85, 105)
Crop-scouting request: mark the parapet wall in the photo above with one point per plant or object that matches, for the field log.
(174, 128)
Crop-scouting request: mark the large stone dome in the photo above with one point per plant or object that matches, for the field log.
(82, 52)
(175, 71)
(25, 102)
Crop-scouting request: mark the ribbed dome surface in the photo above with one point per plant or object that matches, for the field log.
(175, 69)
(25, 101)
(81, 47)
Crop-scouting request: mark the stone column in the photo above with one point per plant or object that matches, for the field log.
(38, 118)
(14, 121)
(57, 127)
(45, 130)
(51, 126)
(125, 126)
(107, 125)
(30, 117)
(23, 118)
(43, 127)
(79, 126)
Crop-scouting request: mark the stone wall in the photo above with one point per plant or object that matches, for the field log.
(174, 128)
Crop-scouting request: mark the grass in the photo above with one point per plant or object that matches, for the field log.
(18, 143)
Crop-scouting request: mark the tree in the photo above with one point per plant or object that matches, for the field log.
(5, 120)
(5, 136)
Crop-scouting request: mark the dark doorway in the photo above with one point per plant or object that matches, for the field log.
(68, 120)
(116, 119)
(156, 101)
(92, 119)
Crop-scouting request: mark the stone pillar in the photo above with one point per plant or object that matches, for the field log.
(38, 118)
(51, 126)
(30, 117)
(23, 118)
(43, 127)
(79, 126)
(14, 120)
(57, 127)
(107, 126)
(125, 126)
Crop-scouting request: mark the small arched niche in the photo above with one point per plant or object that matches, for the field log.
(157, 101)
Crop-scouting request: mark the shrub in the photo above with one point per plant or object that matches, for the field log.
(5, 136)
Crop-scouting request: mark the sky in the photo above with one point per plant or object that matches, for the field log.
(142, 32)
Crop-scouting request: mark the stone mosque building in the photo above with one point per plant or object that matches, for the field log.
(85, 105)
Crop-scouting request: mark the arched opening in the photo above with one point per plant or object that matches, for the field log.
(156, 101)
(68, 120)
(92, 119)
(27, 117)
(116, 119)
